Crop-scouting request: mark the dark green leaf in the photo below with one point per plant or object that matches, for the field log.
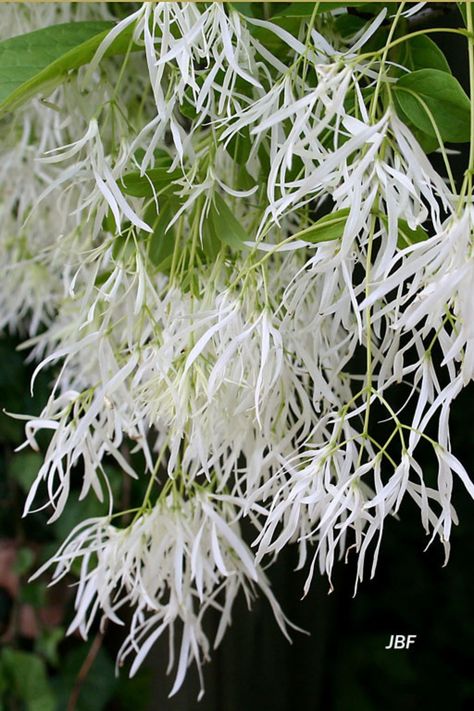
(24, 468)
(161, 240)
(432, 92)
(347, 25)
(23, 561)
(33, 594)
(77, 511)
(306, 9)
(227, 228)
(239, 147)
(326, 229)
(27, 675)
(422, 53)
(245, 8)
(123, 247)
(99, 684)
(47, 644)
(142, 185)
(462, 10)
(211, 244)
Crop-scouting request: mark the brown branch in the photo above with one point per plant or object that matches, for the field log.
(85, 669)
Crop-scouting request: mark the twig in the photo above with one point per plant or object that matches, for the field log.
(85, 669)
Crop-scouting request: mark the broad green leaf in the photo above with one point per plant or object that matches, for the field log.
(432, 92)
(227, 228)
(428, 143)
(27, 675)
(40, 60)
(327, 228)
(422, 53)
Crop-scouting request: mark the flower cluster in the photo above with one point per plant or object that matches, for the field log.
(239, 258)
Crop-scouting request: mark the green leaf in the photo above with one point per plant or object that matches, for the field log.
(211, 244)
(24, 467)
(161, 240)
(422, 53)
(33, 594)
(245, 8)
(46, 644)
(226, 227)
(406, 235)
(347, 25)
(27, 675)
(305, 9)
(77, 511)
(40, 60)
(462, 10)
(328, 228)
(99, 684)
(431, 95)
(23, 561)
(142, 185)
(239, 146)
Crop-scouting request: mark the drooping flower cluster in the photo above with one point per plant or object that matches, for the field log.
(220, 243)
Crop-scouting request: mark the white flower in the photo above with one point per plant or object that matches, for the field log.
(170, 565)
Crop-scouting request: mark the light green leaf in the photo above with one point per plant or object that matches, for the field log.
(328, 228)
(431, 95)
(227, 228)
(40, 60)
(407, 236)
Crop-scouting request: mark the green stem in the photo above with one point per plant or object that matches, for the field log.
(373, 107)
(411, 35)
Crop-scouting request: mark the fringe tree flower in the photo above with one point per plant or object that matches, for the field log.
(226, 238)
